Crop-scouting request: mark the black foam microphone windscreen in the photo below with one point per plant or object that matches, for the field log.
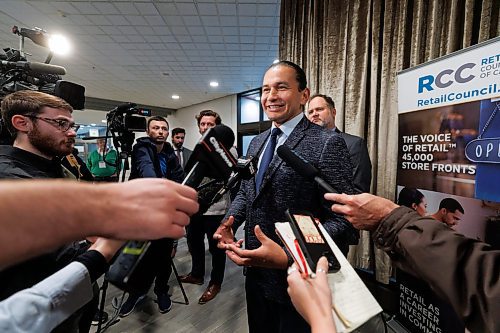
(297, 162)
(303, 167)
(225, 135)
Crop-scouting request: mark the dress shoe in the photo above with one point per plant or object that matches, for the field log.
(191, 279)
(209, 294)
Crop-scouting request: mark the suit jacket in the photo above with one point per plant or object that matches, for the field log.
(283, 188)
(360, 159)
(186, 154)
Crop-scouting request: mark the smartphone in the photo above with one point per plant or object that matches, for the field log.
(311, 240)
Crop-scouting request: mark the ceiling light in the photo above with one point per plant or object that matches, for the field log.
(59, 44)
(92, 124)
(276, 61)
(214, 84)
(175, 97)
(104, 121)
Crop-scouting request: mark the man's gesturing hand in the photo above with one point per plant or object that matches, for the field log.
(268, 255)
(224, 234)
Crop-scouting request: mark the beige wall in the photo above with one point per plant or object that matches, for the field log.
(225, 106)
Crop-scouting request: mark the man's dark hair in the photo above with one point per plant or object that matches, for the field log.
(409, 196)
(28, 103)
(157, 118)
(178, 130)
(208, 113)
(300, 75)
(451, 205)
(327, 99)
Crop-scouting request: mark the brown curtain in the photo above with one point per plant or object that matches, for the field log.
(352, 51)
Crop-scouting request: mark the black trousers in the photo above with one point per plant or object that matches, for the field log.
(200, 226)
(265, 315)
(157, 263)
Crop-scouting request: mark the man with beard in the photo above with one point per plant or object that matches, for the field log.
(153, 157)
(43, 131)
(322, 112)
(183, 154)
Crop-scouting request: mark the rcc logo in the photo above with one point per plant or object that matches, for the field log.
(445, 78)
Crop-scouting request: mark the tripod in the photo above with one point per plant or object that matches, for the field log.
(114, 319)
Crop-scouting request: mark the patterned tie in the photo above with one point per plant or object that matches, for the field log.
(267, 157)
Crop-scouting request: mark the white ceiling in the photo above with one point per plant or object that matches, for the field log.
(146, 51)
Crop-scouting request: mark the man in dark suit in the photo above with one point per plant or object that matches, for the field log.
(321, 111)
(263, 200)
(183, 154)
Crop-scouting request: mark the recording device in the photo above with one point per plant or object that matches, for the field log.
(17, 73)
(311, 241)
(120, 272)
(33, 66)
(122, 121)
(303, 167)
(210, 158)
(245, 169)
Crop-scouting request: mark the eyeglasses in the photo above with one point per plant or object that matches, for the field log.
(61, 124)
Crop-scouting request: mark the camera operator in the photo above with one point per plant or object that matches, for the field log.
(44, 131)
(152, 156)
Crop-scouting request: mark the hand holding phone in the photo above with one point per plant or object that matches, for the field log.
(311, 241)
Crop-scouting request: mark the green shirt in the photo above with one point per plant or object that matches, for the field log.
(98, 167)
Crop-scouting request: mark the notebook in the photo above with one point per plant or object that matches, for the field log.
(353, 303)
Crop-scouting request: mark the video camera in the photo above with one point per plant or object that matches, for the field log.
(16, 73)
(122, 121)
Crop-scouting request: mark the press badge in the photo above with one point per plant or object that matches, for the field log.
(102, 165)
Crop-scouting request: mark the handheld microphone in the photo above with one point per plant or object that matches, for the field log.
(211, 157)
(37, 67)
(245, 169)
(303, 167)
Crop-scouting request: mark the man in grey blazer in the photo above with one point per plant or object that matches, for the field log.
(263, 200)
(183, 154)
(321, 111)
